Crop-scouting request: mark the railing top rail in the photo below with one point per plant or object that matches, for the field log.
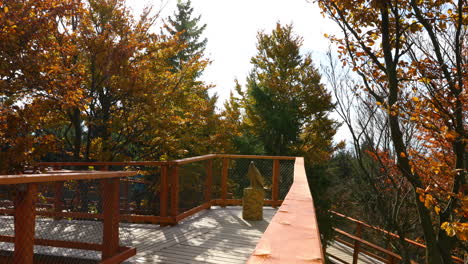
(234, 156)
(195, 159)
(377, 229)
(163, 163)
(67, 176)
(293, 235)
(107, 163)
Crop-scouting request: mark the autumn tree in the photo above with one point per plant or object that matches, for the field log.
(411, 57)
(37, 79)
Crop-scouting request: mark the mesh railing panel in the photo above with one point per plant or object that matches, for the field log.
(192, 177)
(238, 180)
(286, 177)
(77, 219)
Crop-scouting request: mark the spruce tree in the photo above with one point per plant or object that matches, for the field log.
(286, 106)
(190, 32)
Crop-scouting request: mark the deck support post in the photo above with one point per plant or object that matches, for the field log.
(110, 197)
(163, 193)
(208, 181)
(174, 194)
(357, 245)
(25, 221)
(275, 183)
(224, 179)
(58, 204)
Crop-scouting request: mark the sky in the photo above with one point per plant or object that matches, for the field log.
(232, 27)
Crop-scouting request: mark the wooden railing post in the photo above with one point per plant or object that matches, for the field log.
(58, 204)
(125, 195)
(58, 196)
(110, 196)
(25, 221)
(174, 193)
(357, 244)
(208, 180)
(164, 191)
(224, 179)
(275, 183)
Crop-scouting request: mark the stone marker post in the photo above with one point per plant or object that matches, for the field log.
(252, 202)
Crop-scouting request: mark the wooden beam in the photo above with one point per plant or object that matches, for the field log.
(208, 180)
(231, 156)
(53, 177)
(58, 203)
(369, 244)
(174, 194)
(25, 223)
(193, 211)
(275, 182)
(57, 243)
(110, 204)
(357, 245)
(163, 192)
(124, 253)
(224, 179)
(292, 235)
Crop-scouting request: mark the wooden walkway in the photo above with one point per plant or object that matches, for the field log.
(219, 235)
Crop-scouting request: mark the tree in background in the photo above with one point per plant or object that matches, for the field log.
(284, 111)
(38, 81)
(285, 106)
(98, 84)
(411, 57)
(189, 33)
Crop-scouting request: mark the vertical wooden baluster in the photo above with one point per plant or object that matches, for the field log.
(357, 244)
(164, 191)
(110, 196)
(174, 193)
(125, 195)
(224, 179)
(25, 222)
(58, 203)
(275, 183)
(208, 181)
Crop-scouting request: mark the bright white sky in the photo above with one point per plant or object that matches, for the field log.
(232, 27)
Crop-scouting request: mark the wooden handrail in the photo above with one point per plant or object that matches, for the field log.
(106, 163)
(161, 163)
(234, 156)
(293, 235)
(367, 243)
(54, 177)
(412, 242)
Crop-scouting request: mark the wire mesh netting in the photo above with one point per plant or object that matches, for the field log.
(65, 230)
(286, 177)
(238, 180)
(192, 185)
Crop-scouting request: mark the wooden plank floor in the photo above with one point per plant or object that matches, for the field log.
(219, 235)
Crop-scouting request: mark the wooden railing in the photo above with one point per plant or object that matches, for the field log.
(295, 221)
(24, 212)
(378, 252)
(293, 235)
(169, 187)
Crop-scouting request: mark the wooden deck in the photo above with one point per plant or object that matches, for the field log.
(219, 235)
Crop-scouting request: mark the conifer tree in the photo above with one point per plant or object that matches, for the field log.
(286, 106)
(189, 33)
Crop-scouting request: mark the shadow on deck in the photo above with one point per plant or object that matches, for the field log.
(219, 235)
